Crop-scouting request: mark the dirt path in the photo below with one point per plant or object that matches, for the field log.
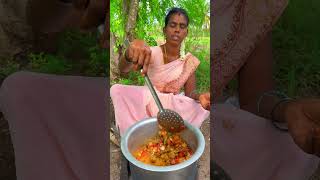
(7, 166)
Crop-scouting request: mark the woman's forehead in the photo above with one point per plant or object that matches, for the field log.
(178, 17)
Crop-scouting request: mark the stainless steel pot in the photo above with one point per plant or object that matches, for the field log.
(145, 129)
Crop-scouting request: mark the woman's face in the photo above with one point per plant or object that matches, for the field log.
(176, 29)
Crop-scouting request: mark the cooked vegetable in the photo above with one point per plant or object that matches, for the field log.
(163, 150)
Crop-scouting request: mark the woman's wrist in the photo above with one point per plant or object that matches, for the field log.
(194, 95)
(124, 63)
(126, 59)
(273, 105)
(279, 112)
(126, 45)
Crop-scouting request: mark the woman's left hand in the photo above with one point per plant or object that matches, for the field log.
(204, 99)
(303, 118)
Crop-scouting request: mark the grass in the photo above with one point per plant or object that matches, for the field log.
(200, 47)
(296, 45)
(296, 50)
(77, 54)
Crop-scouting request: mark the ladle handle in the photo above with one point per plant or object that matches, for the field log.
(153, 92)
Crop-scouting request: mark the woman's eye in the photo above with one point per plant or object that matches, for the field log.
(183, 26)
(172, 25)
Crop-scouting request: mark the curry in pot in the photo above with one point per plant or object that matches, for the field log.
(164, 149)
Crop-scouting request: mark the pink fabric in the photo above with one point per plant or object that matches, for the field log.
(134, 103)
(171, 77)
(57, 125)
(248, 147)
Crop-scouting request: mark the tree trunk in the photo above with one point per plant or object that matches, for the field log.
(130, 7)
(114, 59)
(15, 34)
(132, 19)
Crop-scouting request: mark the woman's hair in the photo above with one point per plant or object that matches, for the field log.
(176, 11)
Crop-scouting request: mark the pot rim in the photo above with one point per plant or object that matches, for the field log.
(197, 154)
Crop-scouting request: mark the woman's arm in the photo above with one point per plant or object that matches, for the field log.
(255, 78)
(190, 91)
(302, 115)
(125, 66)
(190, 87)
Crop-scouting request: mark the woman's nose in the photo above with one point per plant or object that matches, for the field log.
(177, 29)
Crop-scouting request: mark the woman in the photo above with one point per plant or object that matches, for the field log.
(247, 142)
(168, 71)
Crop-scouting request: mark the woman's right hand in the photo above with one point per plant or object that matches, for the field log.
(303, 118)
(139, 53)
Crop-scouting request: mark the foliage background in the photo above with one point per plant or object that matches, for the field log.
(78, 53)
(296, 42)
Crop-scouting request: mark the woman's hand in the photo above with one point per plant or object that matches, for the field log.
(139, 53)
(204, 99)
(303, 118)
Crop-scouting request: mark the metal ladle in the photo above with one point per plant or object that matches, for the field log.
(168, 119)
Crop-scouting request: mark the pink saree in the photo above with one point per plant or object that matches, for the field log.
(134, 103)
